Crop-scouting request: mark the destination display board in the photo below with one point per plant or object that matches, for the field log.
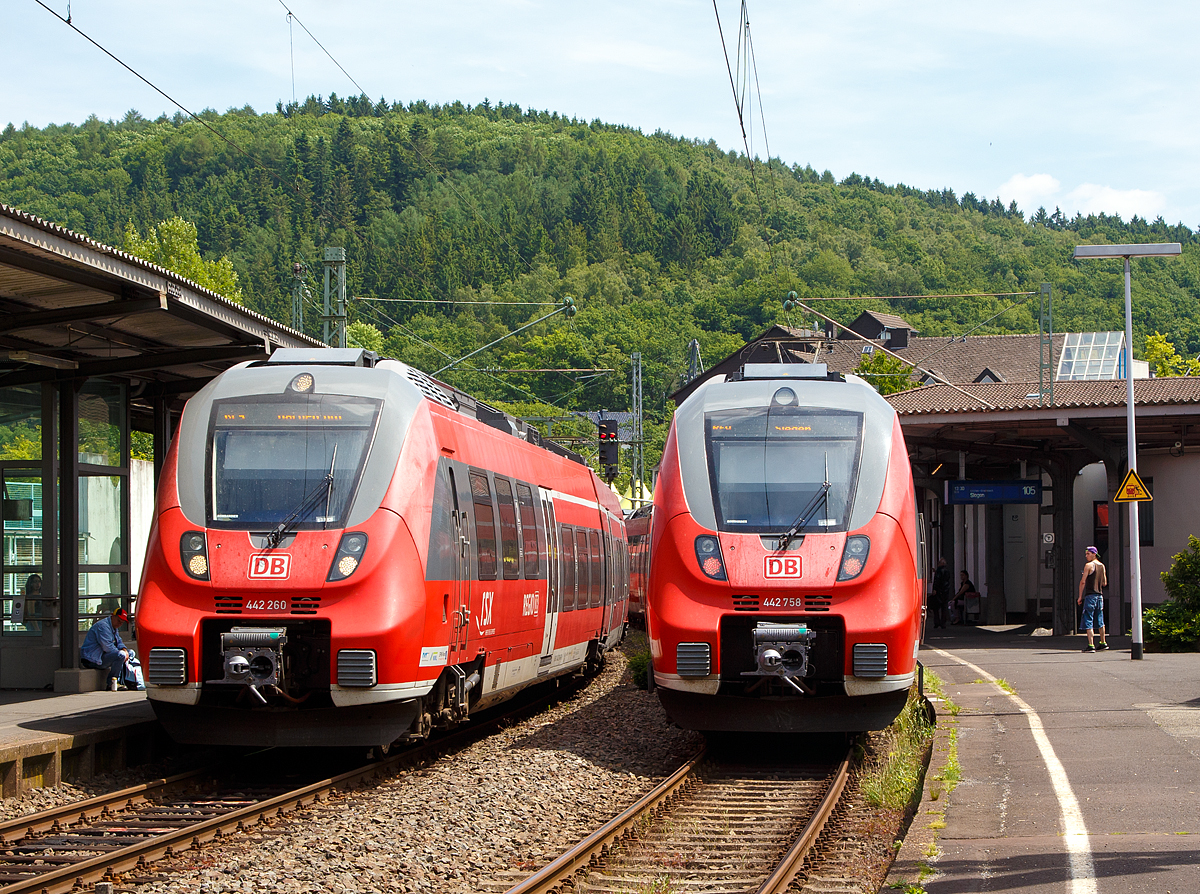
(1017, 491)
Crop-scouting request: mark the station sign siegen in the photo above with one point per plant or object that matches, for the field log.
(1018, 491)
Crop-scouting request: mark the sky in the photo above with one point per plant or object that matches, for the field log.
(1085, 106)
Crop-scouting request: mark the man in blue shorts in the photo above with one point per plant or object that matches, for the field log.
(1091, 598)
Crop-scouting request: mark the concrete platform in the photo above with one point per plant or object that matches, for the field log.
(47, 738)
(1084, 778)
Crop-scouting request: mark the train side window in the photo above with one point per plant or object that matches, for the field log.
(485, 526)
(597, 588)
(530, 533)
(510, 551)
(568, 569)
(581, 566)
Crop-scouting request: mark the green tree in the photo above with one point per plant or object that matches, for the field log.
(885, 372)
(173, 244)
(1160, 354)
(365, 336)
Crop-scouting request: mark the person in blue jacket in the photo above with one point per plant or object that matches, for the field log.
(103, 648)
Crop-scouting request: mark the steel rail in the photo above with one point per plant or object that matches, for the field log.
(131, 856)
(46, 820)
(793, 860)
(591, 850)
(582, 854)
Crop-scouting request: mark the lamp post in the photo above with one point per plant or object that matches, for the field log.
(1145, 250)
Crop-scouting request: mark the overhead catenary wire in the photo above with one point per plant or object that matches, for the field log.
(457, 301)
(67, 21)
(465, 198)
(896, 356)
(292, 54)
(750, 65)
(916, 297)
(407, 332)
(963, 336)
(322, 46)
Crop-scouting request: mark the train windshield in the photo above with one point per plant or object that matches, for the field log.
(297, 461)
(776, 468)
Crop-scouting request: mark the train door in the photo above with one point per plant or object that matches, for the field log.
(610, 566)
(460, 586)
(553, 601)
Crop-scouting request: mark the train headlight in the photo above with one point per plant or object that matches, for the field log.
(193, 552)
(348, 556)
(854, 557)
(708, 555)
(784, 397)
(303, 383)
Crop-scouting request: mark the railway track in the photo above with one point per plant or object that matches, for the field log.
(716, 825)
(84, 842)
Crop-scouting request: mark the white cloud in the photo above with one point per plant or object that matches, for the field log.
(1030, 192)
(1090, 198)
(1034, 191)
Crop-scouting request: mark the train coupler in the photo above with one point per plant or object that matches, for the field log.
(253, 657)
(781, 650)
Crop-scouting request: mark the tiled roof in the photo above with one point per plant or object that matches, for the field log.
(938, 399)
(959, 360)
(891, 321)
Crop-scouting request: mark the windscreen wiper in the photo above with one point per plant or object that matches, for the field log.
(325, 487)
(818, 498)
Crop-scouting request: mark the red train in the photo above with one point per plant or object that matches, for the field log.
(785, 589)
(637, 528)
(350, 553)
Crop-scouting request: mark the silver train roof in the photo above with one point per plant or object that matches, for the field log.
(737, 391)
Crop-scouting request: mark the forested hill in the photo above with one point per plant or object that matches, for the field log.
(660, 239)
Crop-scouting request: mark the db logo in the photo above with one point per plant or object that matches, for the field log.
(276, 566)
(782, 566)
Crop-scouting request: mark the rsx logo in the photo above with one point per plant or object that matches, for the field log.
(782, 566)
(273, 566)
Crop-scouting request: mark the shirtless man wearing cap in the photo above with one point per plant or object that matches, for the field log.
(1092, 583)
(103, 648)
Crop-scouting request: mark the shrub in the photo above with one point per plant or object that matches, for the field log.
(639, 667)
(1175, 624)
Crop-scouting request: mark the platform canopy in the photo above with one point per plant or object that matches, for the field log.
(74, 308)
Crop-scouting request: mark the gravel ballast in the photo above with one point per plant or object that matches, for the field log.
(471, 821)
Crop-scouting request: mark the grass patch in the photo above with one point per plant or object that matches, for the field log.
(952, 771)
(1006, 686)
(937, 686)
(892, 774)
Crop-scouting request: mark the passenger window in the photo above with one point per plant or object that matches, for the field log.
(597, 588)
(509, 549)
(530, 534)
(568, 569)
(581, 553)
(485, 526)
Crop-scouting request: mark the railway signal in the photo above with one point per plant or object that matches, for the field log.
(610, 444)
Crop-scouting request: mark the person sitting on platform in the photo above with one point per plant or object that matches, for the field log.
(966, 589)
(103, 648)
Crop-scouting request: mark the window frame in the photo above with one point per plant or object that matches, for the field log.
(566, 582)
(482, 505)
(510, 532)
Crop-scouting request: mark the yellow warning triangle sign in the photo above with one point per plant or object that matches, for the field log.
(1132, 490)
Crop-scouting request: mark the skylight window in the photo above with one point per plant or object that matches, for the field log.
(1092, 356)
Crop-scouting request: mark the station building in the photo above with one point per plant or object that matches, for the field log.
(98, 352)
(1041, 421)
